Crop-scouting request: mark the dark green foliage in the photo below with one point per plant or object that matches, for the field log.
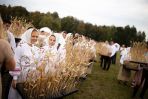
(122, 35)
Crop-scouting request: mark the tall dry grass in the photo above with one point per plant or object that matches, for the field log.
(139, 52)
(19, 26)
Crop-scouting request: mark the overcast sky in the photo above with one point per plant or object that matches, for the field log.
(100, 12)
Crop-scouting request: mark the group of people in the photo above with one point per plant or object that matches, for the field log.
(29, 57)
(126, 67)
(35, 49)
(39, 47)
(106, 60)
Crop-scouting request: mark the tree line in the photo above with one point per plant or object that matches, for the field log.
(122, 35)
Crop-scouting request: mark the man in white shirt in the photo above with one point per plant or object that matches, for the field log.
(115, 48)
(10, 36)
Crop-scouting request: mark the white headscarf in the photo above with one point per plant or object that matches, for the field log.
(11, 40)
(46, 29)
(26, 37)
(68, 36)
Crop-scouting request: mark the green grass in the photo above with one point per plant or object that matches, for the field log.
(103, 85)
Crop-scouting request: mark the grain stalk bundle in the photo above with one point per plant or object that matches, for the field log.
(64, 79)
(102, 49)
(19, 26)
(139, 52)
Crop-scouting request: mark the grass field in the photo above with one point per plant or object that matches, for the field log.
(103, 85)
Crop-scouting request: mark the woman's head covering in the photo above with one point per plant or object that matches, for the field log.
(26, 37)
(68, 36)
(46, 29)
(47, 41)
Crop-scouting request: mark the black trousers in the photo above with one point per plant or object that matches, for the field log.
(105, 62)
(113, 60)
(102, 58)
(6, 83)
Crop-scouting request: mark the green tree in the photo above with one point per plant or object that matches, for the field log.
(141, 36)
(121, 35)
(80, 27)
(46, 21)
(35, 18)
(19, 11)
(56, 22)
(69, 24)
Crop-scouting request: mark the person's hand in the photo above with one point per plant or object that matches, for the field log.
(14, 83)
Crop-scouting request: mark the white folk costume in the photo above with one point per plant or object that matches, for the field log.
(62, 54)
(51, 56)
(26, 55)
(125, 55)
(122, 50)
(11, 40)
(68, 36)
(115, 47)
(47, 30)
(60, 39)
(124, 73)
(62, 50)
(43, 38)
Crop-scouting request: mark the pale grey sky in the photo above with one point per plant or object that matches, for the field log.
(100, 12)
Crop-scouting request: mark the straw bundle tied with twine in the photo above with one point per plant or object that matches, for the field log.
(102, 49)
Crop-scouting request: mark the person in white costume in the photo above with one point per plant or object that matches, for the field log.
(106, 60)
(125, 55)
(68, 36)
(61, 38)
(10, 36)
(26, 55)
(115, 48)
(52, 55)
(45, 32)
(122, 48)
(11, 40)
(124, 73)
(49, 55)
